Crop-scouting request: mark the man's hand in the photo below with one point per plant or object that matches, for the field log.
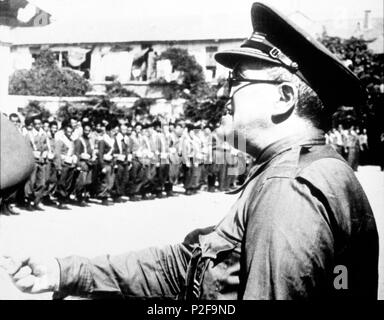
(32, 275)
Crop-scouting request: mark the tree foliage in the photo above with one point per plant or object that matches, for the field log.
(142, 106)
(45, 78)
(182, 61)
(200, 96)
(369, 68)
(116, 89)
(35, 108)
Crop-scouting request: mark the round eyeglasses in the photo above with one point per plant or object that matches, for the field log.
(233, 81)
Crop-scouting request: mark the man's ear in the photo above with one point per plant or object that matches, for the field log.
(287, 100)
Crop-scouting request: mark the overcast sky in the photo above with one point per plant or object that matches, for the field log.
(120, 9)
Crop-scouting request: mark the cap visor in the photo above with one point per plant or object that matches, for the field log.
(230, 58)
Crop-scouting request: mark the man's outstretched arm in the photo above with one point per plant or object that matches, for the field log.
(147, 273)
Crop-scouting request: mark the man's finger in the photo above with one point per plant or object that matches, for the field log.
(10, 265)
(25, 284)
(22, 273)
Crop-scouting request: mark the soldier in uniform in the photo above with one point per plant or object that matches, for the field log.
(191, 153)
(353, 145)
(219, 156)
(15, 119)
(207, 169)
(106, 165)
(165, 164)
(175, 158)
(66, 167)
(136, 173)
(300, 216)
(35, 187)
(120, 154)
(85, 152)
(53, 164)
(148, 162)
(162, 143)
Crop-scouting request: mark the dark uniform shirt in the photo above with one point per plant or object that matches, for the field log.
(300, 213)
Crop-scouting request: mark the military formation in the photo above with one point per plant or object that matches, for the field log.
(79, 161)
(350, 143)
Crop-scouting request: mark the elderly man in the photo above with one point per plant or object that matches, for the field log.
(301, 214)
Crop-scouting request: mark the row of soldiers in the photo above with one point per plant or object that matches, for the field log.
(116, 161)
(352, 144)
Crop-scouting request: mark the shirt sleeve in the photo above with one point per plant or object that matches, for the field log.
(148, 273)
(288, 243)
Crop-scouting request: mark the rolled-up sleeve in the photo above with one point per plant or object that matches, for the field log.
(148, 273)
(289, 245)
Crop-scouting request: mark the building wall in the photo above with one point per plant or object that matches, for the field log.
(5, 58)
(105, 61)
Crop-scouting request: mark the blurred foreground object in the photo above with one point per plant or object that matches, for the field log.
(16, 158)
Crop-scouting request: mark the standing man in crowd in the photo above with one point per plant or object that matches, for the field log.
(353, 146)
(53, 165)
(339, 140)
(176, 133)
(165, 141)
(105, 164)
(363, 142)
(221, 164)
(15, 119)
(190, 161)
(84, 152)
(301, 214)
(120, 154)
(66, 167)
(35, 187)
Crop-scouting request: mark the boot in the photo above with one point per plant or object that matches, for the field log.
(135, 197)
(47, 201)
(37, 207)
(10, 210)
(62, 206)
(4, 210)
(105, 202)
(82, 203)
(118, 200)
(148, 196)
(170, 194)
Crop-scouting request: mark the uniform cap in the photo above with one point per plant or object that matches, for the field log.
(278, 40)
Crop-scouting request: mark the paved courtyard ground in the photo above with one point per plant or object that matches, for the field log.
(133, 225)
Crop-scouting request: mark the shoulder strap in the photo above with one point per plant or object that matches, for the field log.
(309, 155)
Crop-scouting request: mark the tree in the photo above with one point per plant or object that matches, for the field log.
(47, 79)
(369, 68)
(192, 72)
(34, 108)
(142, 106)
(116, 89)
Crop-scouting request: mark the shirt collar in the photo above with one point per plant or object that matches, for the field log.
(314, 137)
